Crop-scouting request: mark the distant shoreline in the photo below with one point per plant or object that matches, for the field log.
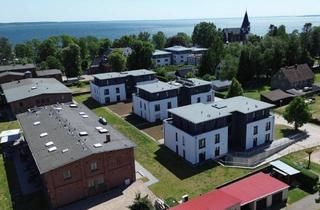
(186, 19)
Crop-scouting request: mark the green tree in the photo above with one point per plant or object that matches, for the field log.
(47, 47)
(117, 61)
(181, 39)
(66, 40)
(43, 65)
(141, 55)
(309, 152)
(159, 40)
(53, 63)
(144, 36)
(24, 51)
(297, 112)
(141, 203)
(235, 89)
(105, 45)
(71, 60)
(229, 67)
(124, 41)
(205, 34)
(5, 50)
(315, 39)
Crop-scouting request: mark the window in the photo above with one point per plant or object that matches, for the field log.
(217, 152)
(106, 92)
(263, 112)
(107, 100)
(145, 107)
(158, 61)
(268, 126)
(117, 90)
(91, 183)
(93, 166)
(42, 100)
(157, 107)
(255, 130)
(100, 181)
(21, 103)
(254, 115)
(202, 143)
(166, 60)
(176, 136)
(67, 174)
(217, 139)
(140, 104)
(208, 98)
(48, 100)
(267, 137)
(169, 105)
(183, 143)
(255, 142)
(118, 98)
(198, 100)
(184, 154)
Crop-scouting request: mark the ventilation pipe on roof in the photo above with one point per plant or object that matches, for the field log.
(108, 138)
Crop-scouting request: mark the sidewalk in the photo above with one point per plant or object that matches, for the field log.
(144, 172)
(307, 203)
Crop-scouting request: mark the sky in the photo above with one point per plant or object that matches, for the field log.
(105, 10)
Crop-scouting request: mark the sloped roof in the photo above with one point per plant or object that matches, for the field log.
(298, 73)
(216, 200)
(276, 95)
(17, 67)
(7, 73)
(48, 72)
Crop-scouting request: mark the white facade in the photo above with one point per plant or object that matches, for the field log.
(108, 94)
(163, 61)
(147, 109)
(187, 146)
(178, 59)
(203, 97)
(260, 137)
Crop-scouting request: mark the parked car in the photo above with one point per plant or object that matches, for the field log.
(103, 121)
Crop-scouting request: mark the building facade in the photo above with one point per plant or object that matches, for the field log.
(76, 156)
(115, 87)
(179, 54)
(161, 58)
(237, 34)
(200, 132)
(25, 94)
(152, 101)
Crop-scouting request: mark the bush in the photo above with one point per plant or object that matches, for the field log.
(306, 177)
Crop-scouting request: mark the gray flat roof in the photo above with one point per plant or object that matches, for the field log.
(135, 73)
(48, 72)
(199, 112)
(196, 82)
(221, 83)
(158, 86)
(63, 125)
(197, 49)
(284, 167)
(11, 73)
(161, 52)
(17, 67)
(26, 88)
(177, 48)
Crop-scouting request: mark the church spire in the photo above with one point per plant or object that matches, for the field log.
(245, 27)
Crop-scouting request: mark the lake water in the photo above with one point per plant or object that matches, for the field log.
(19, 32)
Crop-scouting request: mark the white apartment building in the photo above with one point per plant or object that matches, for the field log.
(179, 54)
(161, 58)
(118, 86)
(200, 132)
(152, 101)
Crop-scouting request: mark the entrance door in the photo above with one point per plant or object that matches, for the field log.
(202, 157)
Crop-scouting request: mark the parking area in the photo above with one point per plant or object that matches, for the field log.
(124, 109)
(118, 199)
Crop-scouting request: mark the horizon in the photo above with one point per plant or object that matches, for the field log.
(126, 10)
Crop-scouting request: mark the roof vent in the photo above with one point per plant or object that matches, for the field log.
(65, 150)
(33, 87)
(85, 116)
(36, 123)
(103, 130)
(58, 108)
(82, 113)
(50, 143)
(43, 135)
(83, 133)
(108, 138)
(99, 128)
(73, 105)
(51, 149)
(97, 145)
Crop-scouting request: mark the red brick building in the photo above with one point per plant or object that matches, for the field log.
(76, 156)
(24, 94)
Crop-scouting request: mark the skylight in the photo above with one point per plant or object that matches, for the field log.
(43, 135)
(65, 150)
(51, 149)
(36, 123)
(73, 105)
(103, 130)
(85, 116)
(82, 113)
(97, 145)
(50, 143)
(83, 133)
(99, 128)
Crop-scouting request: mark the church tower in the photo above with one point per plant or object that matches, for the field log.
(245, 27)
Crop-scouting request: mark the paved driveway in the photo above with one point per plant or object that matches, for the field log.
(114, 200)
(307, 203)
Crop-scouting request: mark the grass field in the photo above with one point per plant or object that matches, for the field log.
(252, 93)
(296, 194)
(282, 131)
(176, 177)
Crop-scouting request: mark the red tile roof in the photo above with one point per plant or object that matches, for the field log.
(214, 200)
(254, 187)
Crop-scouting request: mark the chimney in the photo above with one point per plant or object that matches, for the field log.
(108, 138)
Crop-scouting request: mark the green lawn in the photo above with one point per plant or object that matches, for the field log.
(176, 177)
(317, 78)
(315, 108)
(282, 131)
(296, 194)
(252, 93)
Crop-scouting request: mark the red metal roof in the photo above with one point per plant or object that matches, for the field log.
(254, 187)
(214, 200)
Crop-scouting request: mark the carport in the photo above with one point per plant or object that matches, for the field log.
(283, 171)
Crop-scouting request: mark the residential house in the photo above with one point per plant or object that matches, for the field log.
(25, 94)
(76, 157)
(118, 86)
(200, 132)
(293, 77)
(13, 72)
(152, 101)
(161, 58)
(179, 54)
(237, 34)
